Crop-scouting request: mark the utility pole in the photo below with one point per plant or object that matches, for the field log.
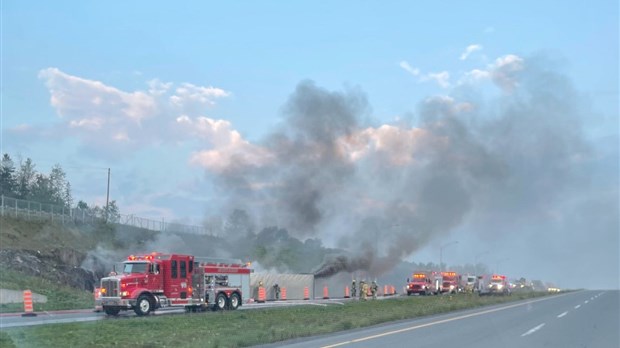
(441, 253)
(107, 198)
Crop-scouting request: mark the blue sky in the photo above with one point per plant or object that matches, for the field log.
(81, 80)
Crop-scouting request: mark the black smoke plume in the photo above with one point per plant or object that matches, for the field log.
(502, 167)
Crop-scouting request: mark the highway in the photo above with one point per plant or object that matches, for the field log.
(9, 320)
(577, 319)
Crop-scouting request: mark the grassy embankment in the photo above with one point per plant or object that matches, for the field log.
(48, 237)
(240, 328)
(58, 296)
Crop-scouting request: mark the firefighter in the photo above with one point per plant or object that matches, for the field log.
(364, 291)
(361, 288)
(374, 289)
(276, 291)
(353, 290)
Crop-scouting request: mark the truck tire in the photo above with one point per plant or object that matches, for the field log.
(220, 302)
(113, 311)
(235, 301)
(144, 305)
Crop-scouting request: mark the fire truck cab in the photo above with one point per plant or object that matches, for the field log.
(152, 281)
(451, 282)
(423, 283)
(493, 285)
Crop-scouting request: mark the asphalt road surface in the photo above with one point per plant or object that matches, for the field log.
(74, 316)
(577, 319)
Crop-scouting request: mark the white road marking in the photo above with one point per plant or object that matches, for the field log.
(586, 301)
(533, 330)
(591, 298)
(563, 314)
(577, 306)
(53, 321)
(361, 339)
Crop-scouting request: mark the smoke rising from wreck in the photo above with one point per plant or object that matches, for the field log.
(382, 192)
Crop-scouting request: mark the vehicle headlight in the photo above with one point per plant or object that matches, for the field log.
(451, 287)
(124, 293)
(499, 286)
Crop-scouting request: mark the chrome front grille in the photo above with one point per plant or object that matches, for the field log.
(111, 287)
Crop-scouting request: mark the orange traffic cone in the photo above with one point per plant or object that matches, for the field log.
(325, 293)
(306, 293)
(28, 309)
(283, 294)
(346, 292)
(261, 294)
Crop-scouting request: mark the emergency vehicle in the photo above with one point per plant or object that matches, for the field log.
(450, 282)
(152, 281)
(493, 285)
(468, 283)
(423, 283)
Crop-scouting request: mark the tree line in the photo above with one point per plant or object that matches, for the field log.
(23, 181)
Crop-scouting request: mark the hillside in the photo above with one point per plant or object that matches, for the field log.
(44, 254)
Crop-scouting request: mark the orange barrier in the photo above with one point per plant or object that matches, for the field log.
(97, 295)
(283, 294)
(346, 292)
(385, 290)
(28, 308)
(325, 293)
(306, 293)
(261, 294)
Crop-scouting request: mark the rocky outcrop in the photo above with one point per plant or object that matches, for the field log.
(61, 266)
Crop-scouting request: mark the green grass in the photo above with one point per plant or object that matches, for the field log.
(59, 296)
(241, 328)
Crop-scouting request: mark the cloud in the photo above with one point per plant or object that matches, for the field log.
(469, 50)
(71, 95)
(441, 78)
(504, 72)
(227, 145)
(188, 94)
(112, 123)
(413, 71)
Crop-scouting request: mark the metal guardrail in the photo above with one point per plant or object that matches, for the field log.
(31, 210)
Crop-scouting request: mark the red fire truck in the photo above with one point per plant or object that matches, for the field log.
(493, 285)
(451, 282)
(423, 283)
(152, 281)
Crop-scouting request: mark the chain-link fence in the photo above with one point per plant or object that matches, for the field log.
(161, 225)
(31, 210)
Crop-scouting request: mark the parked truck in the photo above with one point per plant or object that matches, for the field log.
(451, 282)
(493, 285)
(423, 283)
(152, 281)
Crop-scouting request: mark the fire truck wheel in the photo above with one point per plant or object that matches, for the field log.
(234, 301)
(220, 301)
(111, 310)
(143, 305)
